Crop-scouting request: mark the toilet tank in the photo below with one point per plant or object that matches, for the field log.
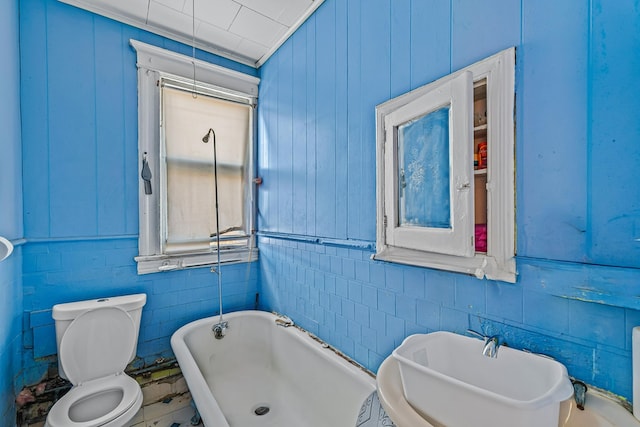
(64, 314)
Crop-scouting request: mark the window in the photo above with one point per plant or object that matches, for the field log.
(445, 173)
(177, 200)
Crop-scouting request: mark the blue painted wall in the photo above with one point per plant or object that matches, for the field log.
(10, 211)
(577, 158)
(80, 156)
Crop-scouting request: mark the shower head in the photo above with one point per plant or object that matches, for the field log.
(205, 138)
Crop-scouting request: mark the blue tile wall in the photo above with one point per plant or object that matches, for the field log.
(94, 269)
(577, 157)
(10, 335)
(11, 224)
(367, 319)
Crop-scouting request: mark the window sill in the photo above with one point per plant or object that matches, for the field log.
(480, 266)
(160, 263)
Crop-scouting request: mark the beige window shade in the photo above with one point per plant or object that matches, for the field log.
(190, 196)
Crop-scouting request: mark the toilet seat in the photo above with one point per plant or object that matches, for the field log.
(94, 352)
(59, 415)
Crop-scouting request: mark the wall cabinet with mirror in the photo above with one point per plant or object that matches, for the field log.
(445, 173)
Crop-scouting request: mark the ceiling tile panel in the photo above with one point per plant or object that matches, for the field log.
(272, 8)
(173, 4)
(170, 19)
(251, 49)
(286, 12)
(257, 28)
(214, 36)
(293, 12)
(220, 13)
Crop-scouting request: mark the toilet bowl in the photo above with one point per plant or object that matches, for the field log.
(108, 402)
(94, 350)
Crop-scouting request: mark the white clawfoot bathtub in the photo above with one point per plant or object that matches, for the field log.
(260, 367)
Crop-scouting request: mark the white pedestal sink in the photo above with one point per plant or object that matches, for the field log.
(600, 410)
(449, 380)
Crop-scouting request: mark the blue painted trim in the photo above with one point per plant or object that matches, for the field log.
(79, 239)
(345, 243)
(18, 242)
(601, 284)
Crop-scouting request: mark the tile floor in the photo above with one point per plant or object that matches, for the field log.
(177, 412)
(167, 403)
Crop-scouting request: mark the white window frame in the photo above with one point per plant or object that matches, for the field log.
(498, 263)
(457, 94)
(153, 64)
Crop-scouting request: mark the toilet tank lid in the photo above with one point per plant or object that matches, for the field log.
(71, 310)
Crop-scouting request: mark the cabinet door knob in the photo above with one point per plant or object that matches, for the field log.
(464, 186)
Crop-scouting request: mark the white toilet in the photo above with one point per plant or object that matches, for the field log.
(96, 340)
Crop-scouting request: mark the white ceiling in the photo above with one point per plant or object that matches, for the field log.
(247, 31)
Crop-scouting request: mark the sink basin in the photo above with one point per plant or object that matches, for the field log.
(599, 411)
(448, 381)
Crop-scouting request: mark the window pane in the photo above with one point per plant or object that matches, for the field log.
(423, 171)
(190, 200)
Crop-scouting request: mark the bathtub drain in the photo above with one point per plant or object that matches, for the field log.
(261, 410)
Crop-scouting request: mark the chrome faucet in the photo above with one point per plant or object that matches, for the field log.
(491, 343)
(219, 329)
